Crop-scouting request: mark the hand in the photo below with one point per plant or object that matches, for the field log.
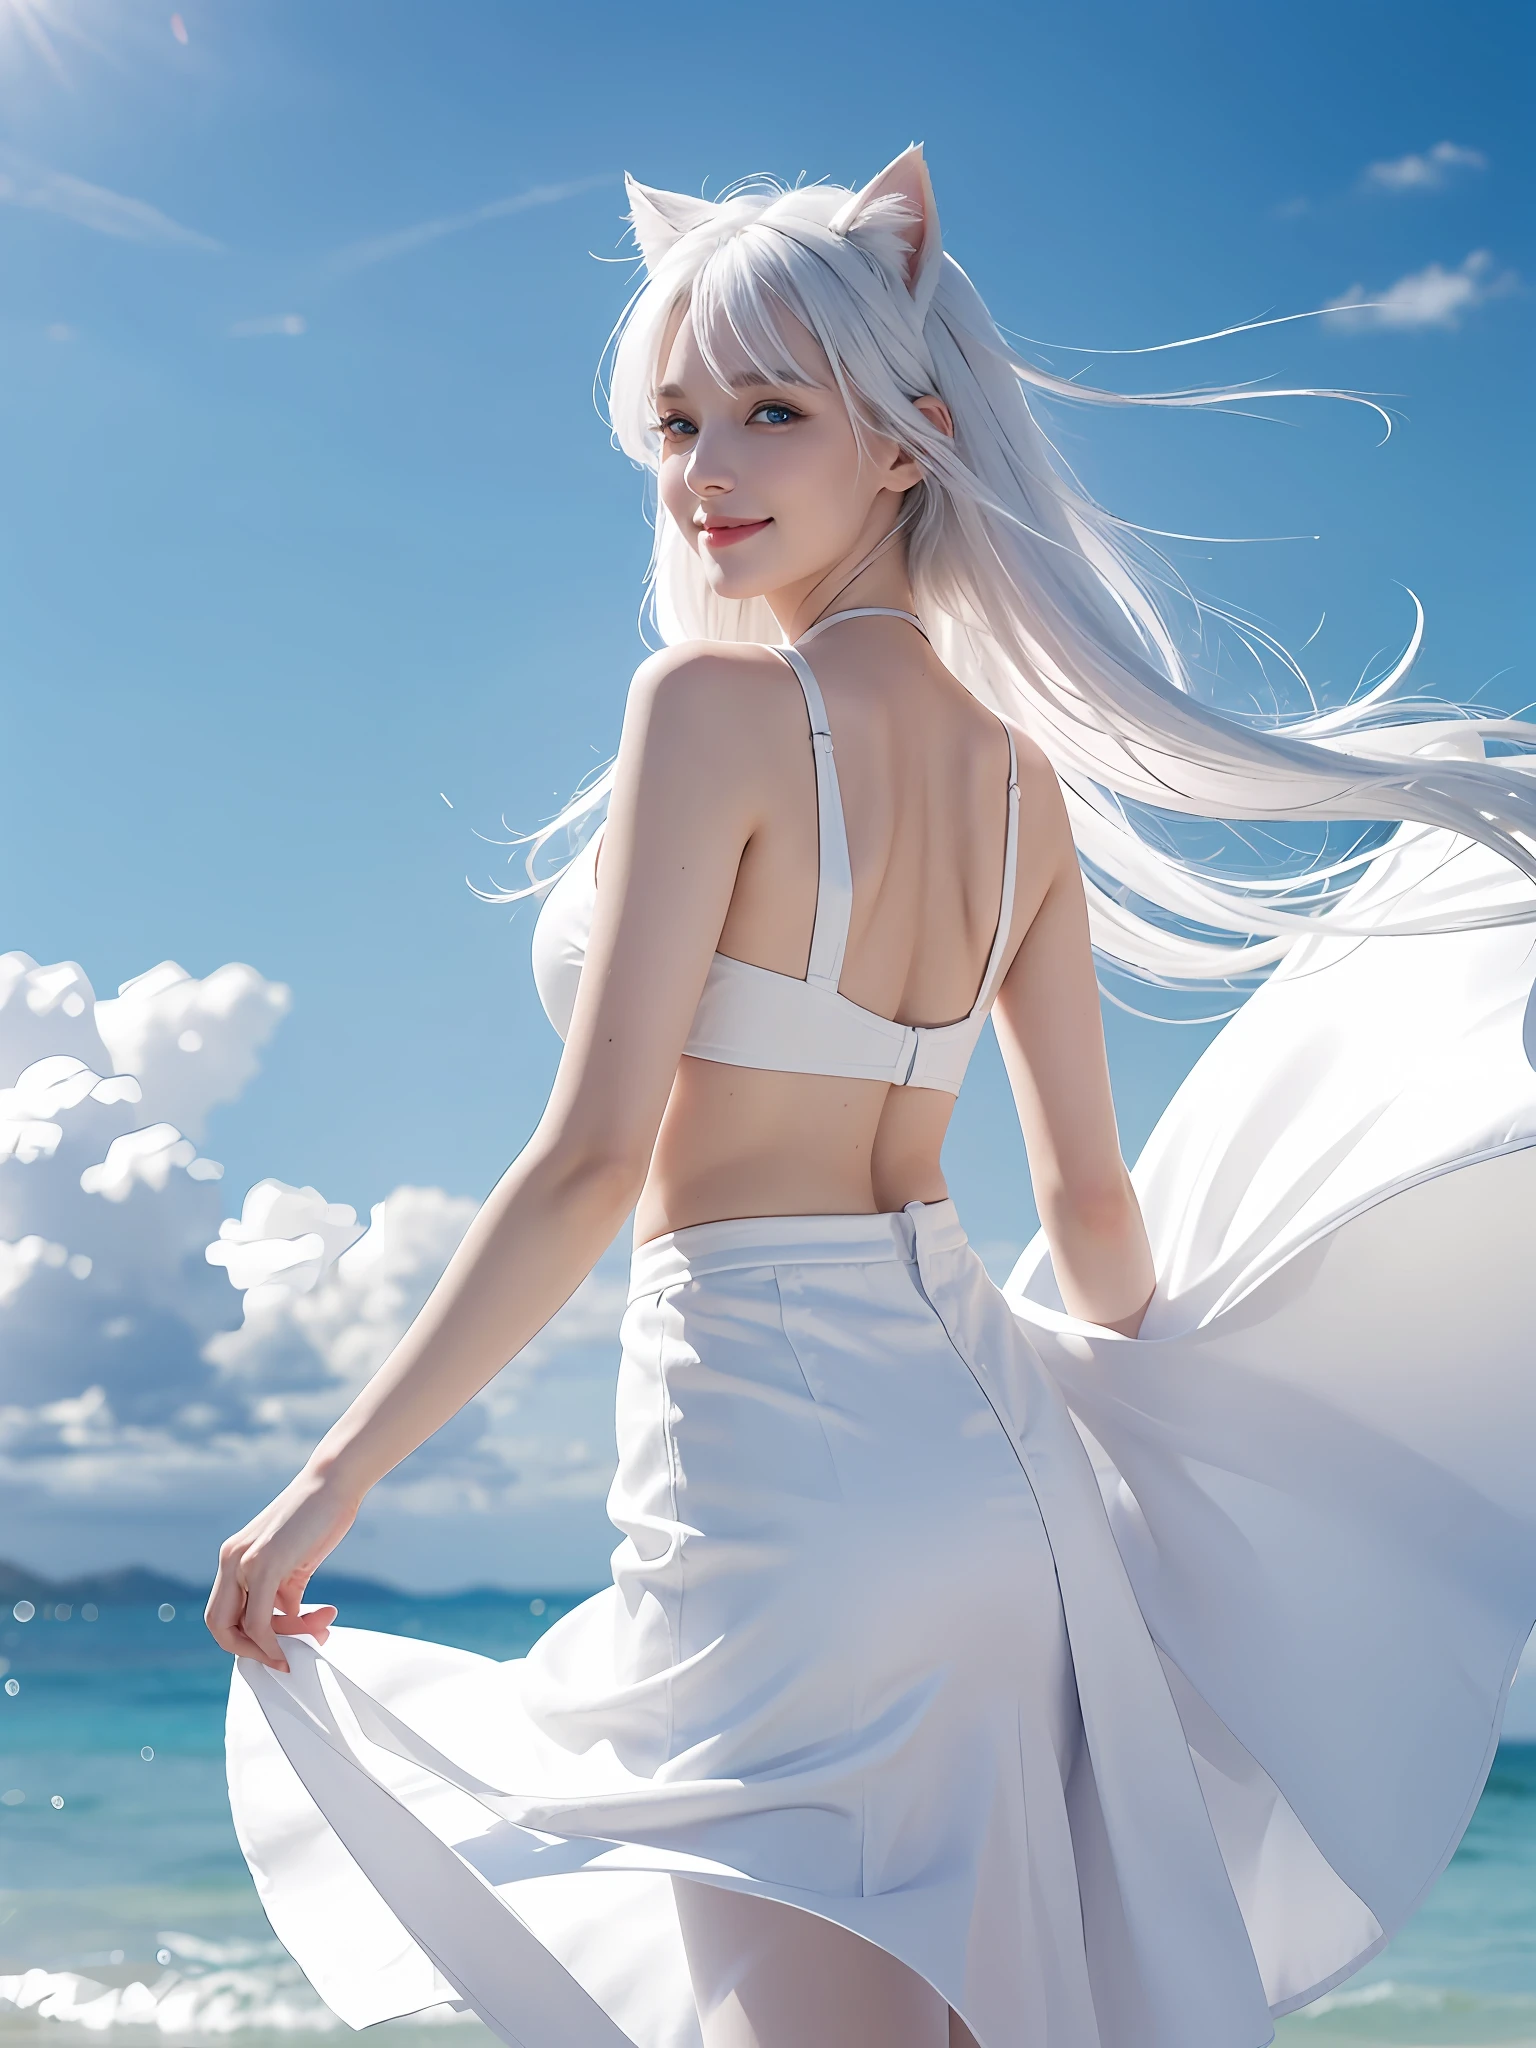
(264, 1568)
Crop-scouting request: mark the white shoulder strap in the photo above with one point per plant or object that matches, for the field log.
(862, 611)
(834, 887)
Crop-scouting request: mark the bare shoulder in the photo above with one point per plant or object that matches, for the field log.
(707, 686)
(714, 715)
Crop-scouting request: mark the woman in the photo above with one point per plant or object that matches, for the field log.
(900, 1725)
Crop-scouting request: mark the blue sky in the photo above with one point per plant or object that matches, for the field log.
(309, 522)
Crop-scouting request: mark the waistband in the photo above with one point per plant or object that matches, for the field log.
(910, 1234)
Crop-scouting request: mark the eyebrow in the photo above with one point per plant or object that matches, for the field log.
(744, 380)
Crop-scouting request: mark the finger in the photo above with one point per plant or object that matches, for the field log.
(230, 1635)
(314, 1621)
(292, 1618)
(260, 1594)
(226, 1605)
(290, 1592)
(224, 1587)
(322, 1614)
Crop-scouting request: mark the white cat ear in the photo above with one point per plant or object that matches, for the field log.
(906, 179)
(661, 218)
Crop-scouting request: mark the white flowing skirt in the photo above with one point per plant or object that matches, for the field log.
(1130, 1692)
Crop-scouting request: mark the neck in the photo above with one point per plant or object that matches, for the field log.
(872, 572)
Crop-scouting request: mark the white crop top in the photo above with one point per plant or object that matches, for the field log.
(753, 1017)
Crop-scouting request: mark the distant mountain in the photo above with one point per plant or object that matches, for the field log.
(135, 1585)
(127, 1586)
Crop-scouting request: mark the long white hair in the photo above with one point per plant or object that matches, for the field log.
(1037, 598)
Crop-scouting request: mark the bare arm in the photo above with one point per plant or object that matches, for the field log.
(1052, 1037)
(681, 814)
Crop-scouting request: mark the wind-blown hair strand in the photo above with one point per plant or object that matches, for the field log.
(1037, 598)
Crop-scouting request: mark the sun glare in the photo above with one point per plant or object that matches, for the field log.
(35, 27)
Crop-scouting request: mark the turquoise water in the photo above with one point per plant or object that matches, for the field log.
(126, 1908)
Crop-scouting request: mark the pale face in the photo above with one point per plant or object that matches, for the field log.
(767, 482)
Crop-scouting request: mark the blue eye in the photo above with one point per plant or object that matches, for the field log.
(675, 427)
(785, 413)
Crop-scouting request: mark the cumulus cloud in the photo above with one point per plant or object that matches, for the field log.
(1432, 297)
(317, 1325)
(105, 1207)
(283, 1237)
(32, 185)
(314, 1324)
(1428, 171)
(191, 1044)
(41, 1092)
(154, 1348)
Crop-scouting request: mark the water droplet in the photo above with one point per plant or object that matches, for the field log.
(12, 1687)
(167, 1611)
(147, 1753)
(63, 1611)
(116, 1956)
(535, 1606)
(14, 1797)
(162, 1956)
(88, 1611)
(23, 1610)
(56, 1802)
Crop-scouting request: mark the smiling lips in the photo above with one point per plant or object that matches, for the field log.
(728, 532)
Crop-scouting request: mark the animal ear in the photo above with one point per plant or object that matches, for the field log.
(661, 218)
(907, 180)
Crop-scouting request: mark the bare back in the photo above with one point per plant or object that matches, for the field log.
(924, 772)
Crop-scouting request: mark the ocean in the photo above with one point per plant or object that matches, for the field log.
(125, 1908)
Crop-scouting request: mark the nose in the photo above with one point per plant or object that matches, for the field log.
(709, 472)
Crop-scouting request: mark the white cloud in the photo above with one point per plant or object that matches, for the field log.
(31, 185)
(103, 1221)
(132, 1374)
(283, 1235)
(1429, 171)
(146, 1158)
(41, 1091)
(290, 324)
(315, 1329)
(191, 1043)
(328, 1324)
(1432, 297)
(404, 241)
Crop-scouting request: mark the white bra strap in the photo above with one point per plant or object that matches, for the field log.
(834, 884)
(993, 974)
(863, 611)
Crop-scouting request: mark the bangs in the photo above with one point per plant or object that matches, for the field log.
(740, 321)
